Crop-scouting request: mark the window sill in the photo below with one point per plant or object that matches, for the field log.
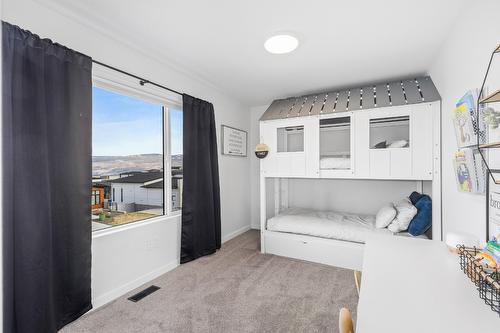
(117, 229)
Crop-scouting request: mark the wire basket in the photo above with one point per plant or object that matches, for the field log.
(486, 281)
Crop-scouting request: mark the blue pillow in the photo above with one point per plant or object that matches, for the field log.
(414, 197)
(423, 220)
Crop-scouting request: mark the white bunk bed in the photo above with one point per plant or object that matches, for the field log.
(385, 132)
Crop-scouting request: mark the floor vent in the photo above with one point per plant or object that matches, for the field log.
(140, 295)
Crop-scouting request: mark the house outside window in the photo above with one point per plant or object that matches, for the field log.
(176, 160)
(131, 137)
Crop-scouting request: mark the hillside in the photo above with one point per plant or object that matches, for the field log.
(114, 165)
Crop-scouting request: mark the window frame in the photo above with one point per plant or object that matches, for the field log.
(285, 149)
(96, 195)
(113, 81)
(377, 122)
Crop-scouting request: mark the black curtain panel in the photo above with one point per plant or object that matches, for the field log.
(201, 225)
(47, 109)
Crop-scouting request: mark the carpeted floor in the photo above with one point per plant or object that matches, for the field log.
(236, 290)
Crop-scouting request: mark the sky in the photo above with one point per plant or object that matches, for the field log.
(123, 125)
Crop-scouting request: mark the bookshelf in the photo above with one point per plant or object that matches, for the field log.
(495, 144)
(492, 98)
(482, 147)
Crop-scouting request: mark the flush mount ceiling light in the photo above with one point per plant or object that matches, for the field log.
(280, 44)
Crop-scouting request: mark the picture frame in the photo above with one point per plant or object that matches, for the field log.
(234, 141)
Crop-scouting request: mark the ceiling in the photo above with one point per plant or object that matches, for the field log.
(342, 43)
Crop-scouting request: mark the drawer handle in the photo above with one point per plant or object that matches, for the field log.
(304, 242)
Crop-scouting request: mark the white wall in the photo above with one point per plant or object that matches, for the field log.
(118, 257)
(140, 252)
(460, 66)
(347, 195)
(153, 196)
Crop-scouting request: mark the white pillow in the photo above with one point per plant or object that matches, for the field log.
(394, 227)
(398, 144)
(385, 216)
(406, 212)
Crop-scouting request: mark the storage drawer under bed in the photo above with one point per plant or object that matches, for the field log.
(320, 250)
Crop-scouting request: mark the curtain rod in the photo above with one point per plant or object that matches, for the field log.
(142, 81)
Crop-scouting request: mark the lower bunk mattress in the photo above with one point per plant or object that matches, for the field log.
(333, 225)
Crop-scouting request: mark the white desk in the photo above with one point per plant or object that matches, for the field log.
(413, 285)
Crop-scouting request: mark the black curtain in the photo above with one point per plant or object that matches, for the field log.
(201, 234)
(47, 105)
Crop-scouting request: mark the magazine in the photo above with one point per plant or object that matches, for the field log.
(467, 128)
(470, 171)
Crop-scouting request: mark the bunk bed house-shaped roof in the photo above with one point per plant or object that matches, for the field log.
(403, 92)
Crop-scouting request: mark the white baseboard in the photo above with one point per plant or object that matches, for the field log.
(233, 234)
(101, 300)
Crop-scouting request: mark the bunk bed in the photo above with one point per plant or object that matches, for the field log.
(328, 224)
(387, 131)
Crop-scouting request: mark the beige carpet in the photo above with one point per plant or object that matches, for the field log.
(236, 290)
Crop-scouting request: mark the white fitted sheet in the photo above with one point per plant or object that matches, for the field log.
(334, 225)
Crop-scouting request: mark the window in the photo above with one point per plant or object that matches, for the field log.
(335, 143)
(129, 137)
(390, 132)
(290, 139)
(96, 199)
